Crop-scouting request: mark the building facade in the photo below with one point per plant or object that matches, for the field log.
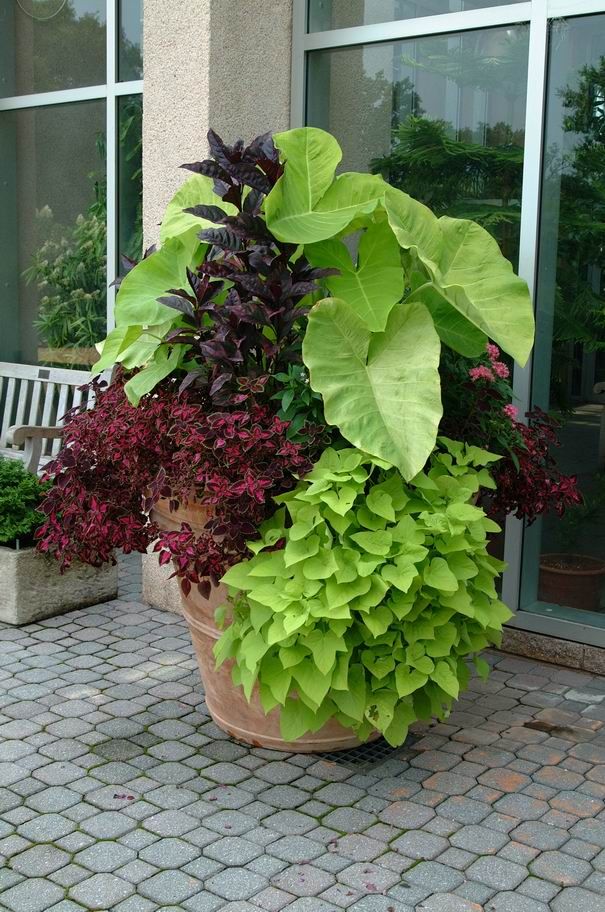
(483, 109)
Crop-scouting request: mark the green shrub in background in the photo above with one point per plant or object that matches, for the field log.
(20, 495)
(382, 593)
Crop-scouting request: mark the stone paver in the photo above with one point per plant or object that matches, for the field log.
(118, 792)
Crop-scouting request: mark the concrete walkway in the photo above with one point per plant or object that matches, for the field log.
(118, 793)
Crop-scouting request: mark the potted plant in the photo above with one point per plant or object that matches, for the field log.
(32, 588)
(571, 577)
(277, 424)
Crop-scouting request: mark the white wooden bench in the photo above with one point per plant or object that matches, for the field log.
(33, 402)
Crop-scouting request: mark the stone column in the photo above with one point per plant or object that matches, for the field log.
(223, 64)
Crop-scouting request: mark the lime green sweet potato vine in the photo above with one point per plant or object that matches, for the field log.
(375, 365)
(383, 592)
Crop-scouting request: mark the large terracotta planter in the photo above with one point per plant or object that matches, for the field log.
(243, 720)
(574, 580)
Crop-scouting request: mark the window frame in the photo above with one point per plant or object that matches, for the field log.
(110, 92)
(538, 15)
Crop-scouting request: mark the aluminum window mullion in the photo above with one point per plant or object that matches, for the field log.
(111, 157)
(424, 26)
(528, 252)
(133, 87)
(44, 99)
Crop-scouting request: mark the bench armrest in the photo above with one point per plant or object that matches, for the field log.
(19, 433)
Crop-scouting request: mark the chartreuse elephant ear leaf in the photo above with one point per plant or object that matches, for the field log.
(381, 390)
(467, 268)
(375, 283)
(308, 204)
(196, 191)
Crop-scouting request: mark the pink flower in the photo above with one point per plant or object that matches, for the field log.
(511, 411)
(481, 373)
(493, 351)
(500, 369)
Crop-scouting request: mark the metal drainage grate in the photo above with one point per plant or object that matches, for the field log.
(371, 755)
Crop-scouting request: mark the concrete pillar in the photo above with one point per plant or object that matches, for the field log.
(223, 64)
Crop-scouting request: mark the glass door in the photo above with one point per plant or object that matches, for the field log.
(563, 571)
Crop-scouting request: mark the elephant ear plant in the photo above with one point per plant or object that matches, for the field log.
(330, 303)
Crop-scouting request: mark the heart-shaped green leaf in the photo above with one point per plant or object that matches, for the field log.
(307, 204)
(381, 389)
(468, 270)
(375, 284)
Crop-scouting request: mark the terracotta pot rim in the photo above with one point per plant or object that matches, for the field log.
(598, 568)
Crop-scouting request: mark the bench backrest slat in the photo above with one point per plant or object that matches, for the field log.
(38, 396)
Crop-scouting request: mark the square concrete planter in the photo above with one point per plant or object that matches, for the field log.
(32, 588)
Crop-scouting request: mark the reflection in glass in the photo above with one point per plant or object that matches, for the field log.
(333, 14)
(130, 176)
(53, 233)
(50, 45)
(563, 560)
(443, 118)
(130, 46)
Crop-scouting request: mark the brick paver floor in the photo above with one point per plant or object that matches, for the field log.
(118, 793)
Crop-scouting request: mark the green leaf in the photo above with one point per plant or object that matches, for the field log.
(378, 620)
(118, 340)
(445, 678)
(311, 683)
(343, 593)
(375, 284)
(136, 301)
(295, 720)
(146, 379)
(307, 204)
(299, 550)
(378, 501)
(464, 512)
(276, 678)
(397, 731)
(483, 668)
(408, 680)
(197, 190)
(400, 575)
(468, 269)
(292, 655)
(252, 649)
(374, 542)
(452, 327)
(439, 576)
(320, 567)
(382, 390)
(352, 702)
(324, 644)
(462, 566)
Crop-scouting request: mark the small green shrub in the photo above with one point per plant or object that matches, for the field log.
(382, 592)
(20, 495)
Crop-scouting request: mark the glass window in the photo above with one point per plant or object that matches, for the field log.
(130, 176)
(563, 565)
(53, 233)
(442, 117)
(51, 45)
(333, 14)
(130, 46)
